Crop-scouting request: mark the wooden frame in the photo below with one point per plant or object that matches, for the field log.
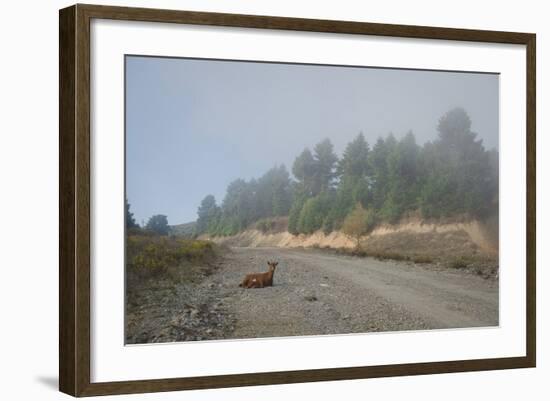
(74, 200)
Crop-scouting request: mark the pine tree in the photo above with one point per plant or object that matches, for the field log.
(304, 171)
(452, 175)
(378, 164)
(462, 179)
(208, 213)
(237, 207)
(298, 202)
(324, 165)
(354, 161)
(130, 221)
(353, 169)
(402, 189)
(158, 224)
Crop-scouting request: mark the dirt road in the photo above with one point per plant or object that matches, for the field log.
(320, 293)
(314, 293)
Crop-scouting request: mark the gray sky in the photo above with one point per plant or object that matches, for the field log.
(193, 126)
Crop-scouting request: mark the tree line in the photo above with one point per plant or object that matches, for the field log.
(157, 224)
(453, 175)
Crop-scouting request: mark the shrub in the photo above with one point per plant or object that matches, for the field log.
(135, 231)
(265, 225)
(150, 254)
(359, 222)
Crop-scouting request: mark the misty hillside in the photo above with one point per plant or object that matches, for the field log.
(451, 177)
(184, 230)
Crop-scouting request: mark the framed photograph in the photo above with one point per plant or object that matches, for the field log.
(250, 200)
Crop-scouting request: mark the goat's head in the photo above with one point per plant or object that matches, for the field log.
(272, 265)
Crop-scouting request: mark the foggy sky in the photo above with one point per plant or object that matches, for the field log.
(193, 126)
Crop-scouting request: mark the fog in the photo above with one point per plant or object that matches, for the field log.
(193, 126)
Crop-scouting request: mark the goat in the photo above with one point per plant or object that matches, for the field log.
(260, 280)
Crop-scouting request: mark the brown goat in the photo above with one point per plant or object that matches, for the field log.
(260, 280)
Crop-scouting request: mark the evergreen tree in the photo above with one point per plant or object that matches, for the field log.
(274, 193)
(313, 213)
(130, 221)
(353, 169)
(299, 199)
(378, 164)
(208, 213)
(237, 207)
(282, 192)
(450, 176)
(158, 224)
(304, 171)
(354, 161)
(402, 179)
(324, 164)
(462, 181)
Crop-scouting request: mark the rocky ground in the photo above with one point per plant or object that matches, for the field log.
(168, 309)
(314, 293)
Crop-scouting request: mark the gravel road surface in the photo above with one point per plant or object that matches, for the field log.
(314, 293)
(319, 293)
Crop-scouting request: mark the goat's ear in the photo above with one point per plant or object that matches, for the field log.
(275, 263)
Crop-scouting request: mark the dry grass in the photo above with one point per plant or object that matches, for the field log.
(363, 252)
